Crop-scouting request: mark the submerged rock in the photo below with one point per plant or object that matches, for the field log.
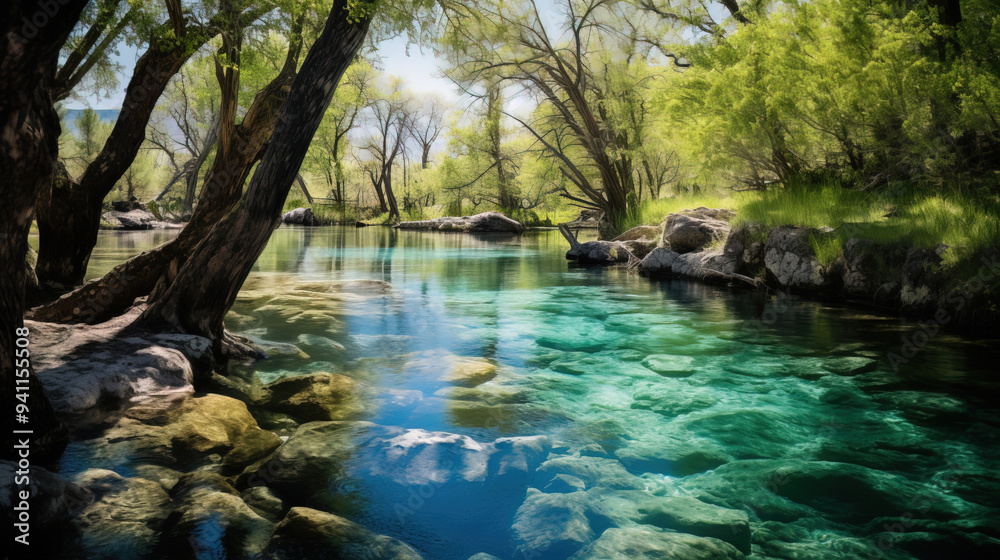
(484, 222)
(300, 216)
(642, 543)
(209, 518)
(125, 518)
(317, 396)
(469, 372)
(688, 515)
(209, 430)
(309, 533)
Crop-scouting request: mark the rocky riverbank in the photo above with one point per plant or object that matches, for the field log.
(702, 244)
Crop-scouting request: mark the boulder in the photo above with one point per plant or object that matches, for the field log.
(688, 515)
(83, 365)
(317, 396)
(701, 265)
(469, 372)
(53, 500)
(599, 252)
(922, 278)
(309, 533)
(642, 543)
(872, 270)
(789, 257)
(210, 520)
(484, 222)
(208, 430)
(551, 523)
(125, 518)
(136, 219)
(640, 240)
(300, 216)
(428, 479)
(684, 233)
(745, 245)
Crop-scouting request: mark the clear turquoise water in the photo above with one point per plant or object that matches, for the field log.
(649, 386)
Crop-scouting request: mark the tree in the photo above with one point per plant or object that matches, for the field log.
(29, 131)
(90, 135)
(390, 117)
(510, 43)
(69, 217)
(326, 153)
(240, 146)
(206, 286)
(427, 125)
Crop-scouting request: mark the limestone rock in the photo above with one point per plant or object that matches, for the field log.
(469, 372)
(209, 518)
(685, 233)
(599, 252)
(83, 365)
(551, 523)
(640, 240)
(643, 543)
(187, 435)
(701, 265)
(868, 266)
(745, 245)
(688, 515)
(922, 279)
(309, 533)
(136, 219)
(125, 518)
(300, 216)
(790, 258)
(317, 396)
(484, 222)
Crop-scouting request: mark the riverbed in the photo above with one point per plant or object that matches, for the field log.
(628, 408)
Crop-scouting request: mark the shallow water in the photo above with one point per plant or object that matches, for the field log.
(661, 388)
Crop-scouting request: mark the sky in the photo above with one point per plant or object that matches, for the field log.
(419, 70)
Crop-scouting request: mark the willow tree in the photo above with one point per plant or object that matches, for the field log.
(29, 131)
(389, 119)
(513, 44)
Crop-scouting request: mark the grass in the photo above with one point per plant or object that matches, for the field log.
(912, 218)
(653, 212)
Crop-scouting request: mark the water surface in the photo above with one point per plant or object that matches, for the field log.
(641, 387)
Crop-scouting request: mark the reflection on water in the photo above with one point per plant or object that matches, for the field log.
(643, 389)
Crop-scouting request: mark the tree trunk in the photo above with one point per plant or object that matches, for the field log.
(187, 205)
(153, 271)
(390, 196)
(207, 285)
(29, 131)
(69, 217)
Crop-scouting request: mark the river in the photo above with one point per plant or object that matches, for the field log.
(841, 433)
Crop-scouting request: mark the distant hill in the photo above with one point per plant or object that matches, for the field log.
(107, 115)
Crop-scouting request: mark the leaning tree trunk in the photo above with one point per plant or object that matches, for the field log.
(390, 196)
(240, 146)
(206, 287)
(29, 131)
(69, 216)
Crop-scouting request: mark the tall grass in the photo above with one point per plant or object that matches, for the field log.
(652, 212)
(917, 217)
